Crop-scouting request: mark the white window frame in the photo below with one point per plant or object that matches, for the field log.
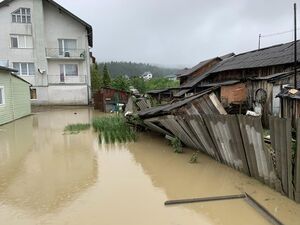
(18, 40)
(62, 50)
(64, 69)
(2, 90)
(27, 68)
(23, 16)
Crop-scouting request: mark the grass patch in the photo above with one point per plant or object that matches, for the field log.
(176, 145)
(113, 129)
(194, 158)
(76, 128)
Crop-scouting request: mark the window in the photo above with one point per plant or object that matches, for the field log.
(4, 63)
(66, 45)
(21, 15)
(24, 69)
(69, 69)
(2, 96)
(21, 41)
(33, 94)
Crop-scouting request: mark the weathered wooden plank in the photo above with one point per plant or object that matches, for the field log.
(297, 165)
(205, 199)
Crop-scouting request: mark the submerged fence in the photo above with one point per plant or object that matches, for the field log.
(238, 141)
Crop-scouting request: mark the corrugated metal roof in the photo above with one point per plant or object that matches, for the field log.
(273, 55)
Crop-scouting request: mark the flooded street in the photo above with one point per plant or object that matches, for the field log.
(48, 177)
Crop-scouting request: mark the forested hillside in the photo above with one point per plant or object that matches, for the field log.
(135, 69)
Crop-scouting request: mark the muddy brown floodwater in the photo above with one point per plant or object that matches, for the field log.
(47, 177)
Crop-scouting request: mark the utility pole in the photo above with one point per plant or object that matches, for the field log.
(259, 37)
(295, 44)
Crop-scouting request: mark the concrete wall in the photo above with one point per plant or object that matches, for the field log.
(17, 98)
(68, 95)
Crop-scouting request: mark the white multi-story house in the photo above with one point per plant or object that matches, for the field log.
(49, 46)
(147, 75)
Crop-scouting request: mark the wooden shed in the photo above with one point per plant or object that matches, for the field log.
(290, 104)
(14, 96)
(262, 92)
(109, 99)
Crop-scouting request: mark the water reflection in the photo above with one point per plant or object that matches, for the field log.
(41, 169)
(50, 178)
(179, 179)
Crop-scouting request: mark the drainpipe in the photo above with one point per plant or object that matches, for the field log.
(295, 44)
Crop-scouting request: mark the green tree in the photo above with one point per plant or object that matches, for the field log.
(160, 83)
(138, 83)
(120, 83)
(106, 77)
(95, 78)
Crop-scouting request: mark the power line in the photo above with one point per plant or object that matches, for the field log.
(278, 33)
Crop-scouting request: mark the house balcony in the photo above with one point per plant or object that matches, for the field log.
(72, 54)
(67, 80)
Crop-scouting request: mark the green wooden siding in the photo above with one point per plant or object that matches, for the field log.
(21, 98)
(17, 98)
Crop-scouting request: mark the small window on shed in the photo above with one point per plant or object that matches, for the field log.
(2, 96)
(33, 93)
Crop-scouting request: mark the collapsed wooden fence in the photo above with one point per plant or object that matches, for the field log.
(238, 141)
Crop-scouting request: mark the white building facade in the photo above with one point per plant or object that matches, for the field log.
(49, 46)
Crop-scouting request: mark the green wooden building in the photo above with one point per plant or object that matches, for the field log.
(14, 96)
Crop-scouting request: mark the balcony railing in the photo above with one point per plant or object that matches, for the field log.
(65, 54)
(62, 79)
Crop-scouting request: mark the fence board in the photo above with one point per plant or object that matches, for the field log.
(257, 154)
(297, 165)
(202, 134)
(227, 138)
(171, 124)
(281, 143)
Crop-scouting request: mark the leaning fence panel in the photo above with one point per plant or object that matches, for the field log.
(280, 130)
(259, 158)
(297, 165)
(224, 130)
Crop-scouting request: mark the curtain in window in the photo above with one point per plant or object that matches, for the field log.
(71, 70)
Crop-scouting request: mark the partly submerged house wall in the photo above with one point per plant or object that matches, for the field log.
(20, 98)
(17, 98)
(6, 109)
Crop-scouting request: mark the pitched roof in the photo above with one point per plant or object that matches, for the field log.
(11, 72)
(274, 77)
(7, 69)
(197, 67)
(270, 56)
(165, 109)
(88, 26)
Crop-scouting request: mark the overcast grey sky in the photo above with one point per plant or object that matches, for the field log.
(181, 32)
